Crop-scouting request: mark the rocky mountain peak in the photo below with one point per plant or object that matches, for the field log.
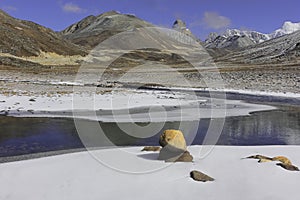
(291, 27)
(252, 37)
(92, 30)
(212, 37)
(80, 25)
(109, 13)
(179, 25)
(288, 27)
(276, 50)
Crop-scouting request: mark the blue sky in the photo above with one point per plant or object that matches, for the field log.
(201, 16)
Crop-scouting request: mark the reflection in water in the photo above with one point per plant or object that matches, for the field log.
(30, 135)
(264, 128)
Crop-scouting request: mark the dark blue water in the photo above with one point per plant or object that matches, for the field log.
(20, 136)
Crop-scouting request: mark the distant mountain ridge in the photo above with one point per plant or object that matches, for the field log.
(284, 49)
(21, 39)
(234, 38)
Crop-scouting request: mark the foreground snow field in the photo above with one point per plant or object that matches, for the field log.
(126, 174)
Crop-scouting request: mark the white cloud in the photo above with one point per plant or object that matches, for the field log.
(72, 8)
(215, 21)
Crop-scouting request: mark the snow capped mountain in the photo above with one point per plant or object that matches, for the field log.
(255, 36)
(234, 38)
(287, 28)
(284, 49)
(229, 38)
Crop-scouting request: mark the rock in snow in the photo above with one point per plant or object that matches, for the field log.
(79, 176)
(174, 138)
(199, 176)
(174, 147)
(151, 148)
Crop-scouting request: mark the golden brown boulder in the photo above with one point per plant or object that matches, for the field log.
(173, 139)
(282, 159)
(174, 147)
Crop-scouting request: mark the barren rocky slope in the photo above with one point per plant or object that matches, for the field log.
(92, 30)
(284, 50)
(25, 38)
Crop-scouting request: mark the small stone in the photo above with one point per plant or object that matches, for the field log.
(260, 157)
(199, 176)
(288, 166)
(151, 148)
(5, 112)
(31, 111)
(33, 100)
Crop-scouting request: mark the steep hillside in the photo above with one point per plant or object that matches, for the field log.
(284, 49)
(92, 30)
(25, 38)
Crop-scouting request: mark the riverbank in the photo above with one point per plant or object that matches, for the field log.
(125, 105)
(24, 137)
(81, 176)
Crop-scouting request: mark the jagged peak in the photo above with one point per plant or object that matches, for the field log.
(109, 13)
(179, 24)
(289, 26)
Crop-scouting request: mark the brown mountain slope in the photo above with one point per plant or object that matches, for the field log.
(92, 30)
(25, 38)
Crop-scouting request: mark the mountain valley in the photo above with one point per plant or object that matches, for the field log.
(246, 60)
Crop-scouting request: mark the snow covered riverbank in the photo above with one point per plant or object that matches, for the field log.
(80, 176)
(114, 106)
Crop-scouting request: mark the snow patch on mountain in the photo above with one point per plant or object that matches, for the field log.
(232, 35)
(287, 28)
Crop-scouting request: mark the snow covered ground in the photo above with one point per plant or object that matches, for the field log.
(127, 173)
(265, 93)
(177, 105)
